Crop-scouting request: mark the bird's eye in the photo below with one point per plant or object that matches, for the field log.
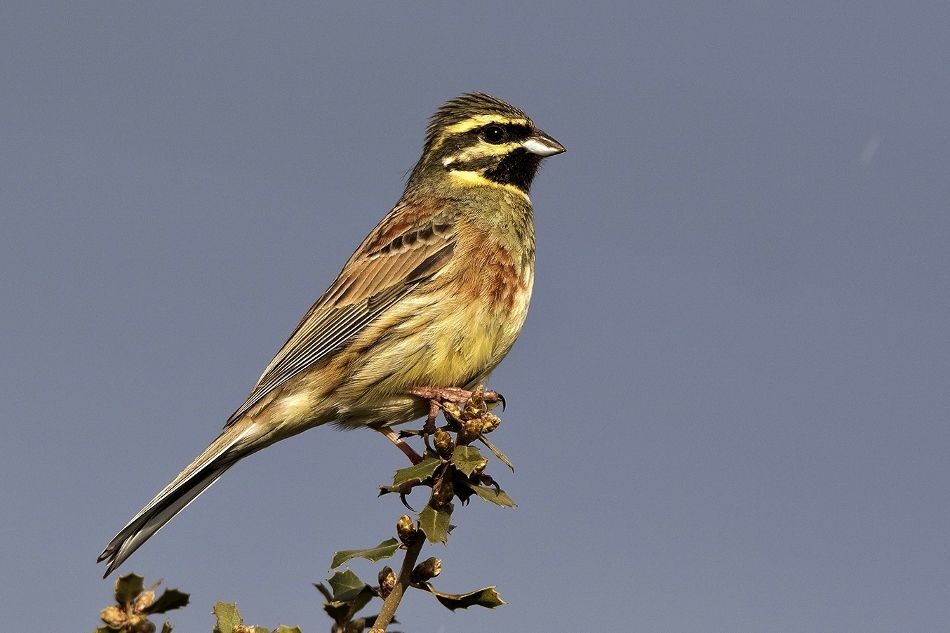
(494, 134)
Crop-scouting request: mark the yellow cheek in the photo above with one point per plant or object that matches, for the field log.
(475, 179)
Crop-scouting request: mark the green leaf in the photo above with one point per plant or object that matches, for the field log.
(346, 585)
(416, 473)
(435, 523)
(468, 459)
(287, 629)
(106, 629)
(167, 627)
(497, 453)
(342, 611)
(338, 611)
(361, 600)
(170, 599)
(127, 587)
(498, 497)
(487, 597)
(322, 589)
(227, 618)
(374, 554)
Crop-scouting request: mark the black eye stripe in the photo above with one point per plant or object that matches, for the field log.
(514, 131)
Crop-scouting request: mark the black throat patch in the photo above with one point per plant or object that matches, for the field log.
(517, 168)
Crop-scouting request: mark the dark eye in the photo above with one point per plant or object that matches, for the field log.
(495, 134)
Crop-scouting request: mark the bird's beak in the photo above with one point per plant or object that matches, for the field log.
(543, 145)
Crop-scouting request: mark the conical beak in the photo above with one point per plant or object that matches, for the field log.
(543, 145)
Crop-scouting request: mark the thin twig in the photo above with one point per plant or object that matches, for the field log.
(402, 583)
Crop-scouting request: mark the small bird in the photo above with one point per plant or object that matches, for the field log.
(428, 305)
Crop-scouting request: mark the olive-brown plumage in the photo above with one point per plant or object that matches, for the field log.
(435, 296)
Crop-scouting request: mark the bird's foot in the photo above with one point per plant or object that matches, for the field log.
(455, 395)
(458, 404)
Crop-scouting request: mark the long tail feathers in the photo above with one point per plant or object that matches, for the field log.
(185, 488)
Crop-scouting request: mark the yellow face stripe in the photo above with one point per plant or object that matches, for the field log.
(480, 151)
(477, 179)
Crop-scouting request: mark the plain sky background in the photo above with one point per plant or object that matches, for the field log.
(729, 405)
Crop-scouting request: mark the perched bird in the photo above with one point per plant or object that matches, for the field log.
(427, 306)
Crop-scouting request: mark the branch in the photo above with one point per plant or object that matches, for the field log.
(402, 583)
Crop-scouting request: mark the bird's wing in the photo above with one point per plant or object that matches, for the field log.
(412, 243)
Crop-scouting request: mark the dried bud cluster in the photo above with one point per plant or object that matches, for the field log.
(442, 490)
(387, 580)
(426, 570)
(443, 443)
(406, 529)
(131, 617)
(470, 431)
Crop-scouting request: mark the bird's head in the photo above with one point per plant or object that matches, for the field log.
(479, 140)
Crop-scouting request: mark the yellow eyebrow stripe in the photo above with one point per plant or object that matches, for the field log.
(479, 120)
(474, 122)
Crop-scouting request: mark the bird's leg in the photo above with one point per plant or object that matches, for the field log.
(401, 444)
(429, 427)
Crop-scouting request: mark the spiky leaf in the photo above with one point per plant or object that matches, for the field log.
(498, 497)
(373, 554)
(127, 587)
(468, 459)
(338, 610)
(487, 597)
(346, 585)
(323, 590)
(287, 629)
(497, 453)
(227, 618)
(435, 523)
(416, 473)
(170, 599)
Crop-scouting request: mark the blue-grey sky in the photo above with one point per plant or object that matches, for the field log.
(729, 405)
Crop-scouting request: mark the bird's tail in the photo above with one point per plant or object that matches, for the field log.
(220, 455)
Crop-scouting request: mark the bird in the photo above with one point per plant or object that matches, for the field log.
(426, 307)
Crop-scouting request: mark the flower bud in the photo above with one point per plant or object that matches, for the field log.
(113, 616)
(443, 443)
(427, 569)
(451, 410)
(387, 580)
(442, 491)
(470, 431)
(490, 422)
(476, 403)
(406, 529)
(144, 600)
